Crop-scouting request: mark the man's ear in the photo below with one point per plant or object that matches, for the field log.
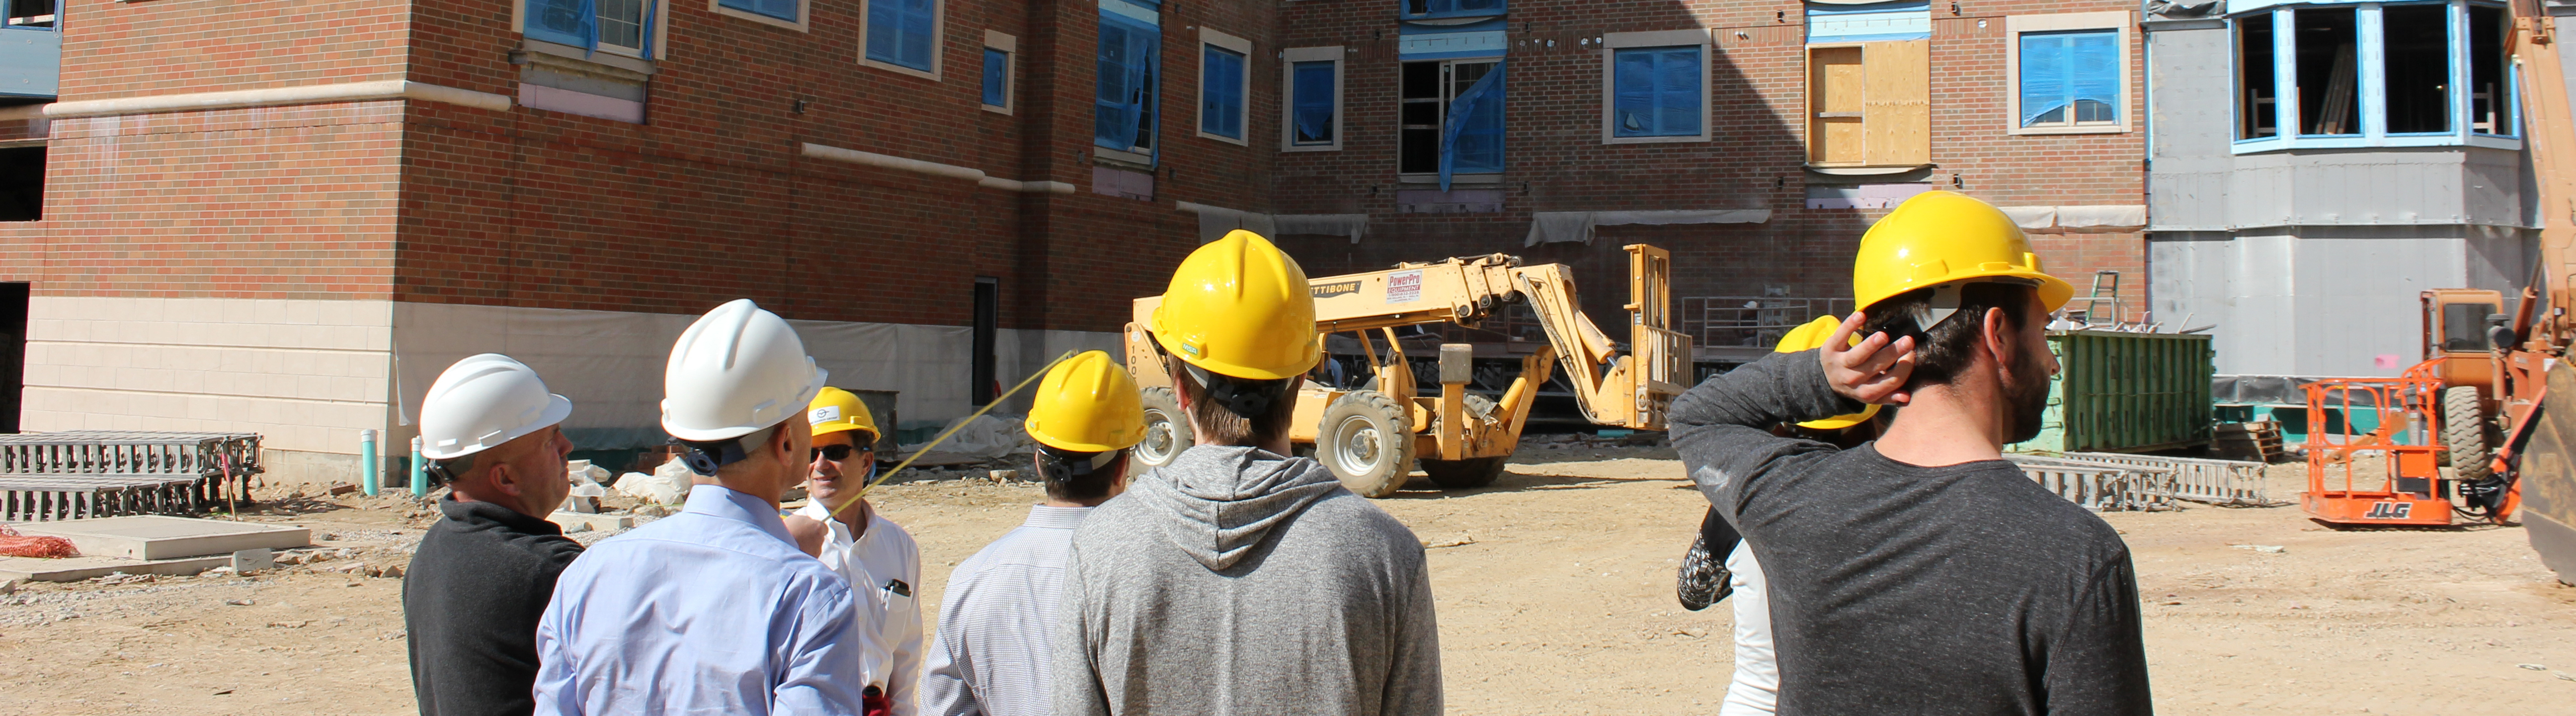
(501, 477)
(1996, 336)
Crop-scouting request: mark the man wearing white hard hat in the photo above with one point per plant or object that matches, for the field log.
(479, 580)
(714, 609)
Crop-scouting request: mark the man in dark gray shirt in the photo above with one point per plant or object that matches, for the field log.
(1921, 573)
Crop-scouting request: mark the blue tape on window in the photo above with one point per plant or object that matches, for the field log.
(1473, 140)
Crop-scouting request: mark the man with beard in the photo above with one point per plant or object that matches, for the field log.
(1921, 573)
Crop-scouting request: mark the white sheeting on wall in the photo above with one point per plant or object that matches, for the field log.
(2116, 216)
(2286, 305)
(610, 362)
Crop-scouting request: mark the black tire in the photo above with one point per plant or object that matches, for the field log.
(1167, 430)
(2468, 433)
(1366, 439)
(1464, 474)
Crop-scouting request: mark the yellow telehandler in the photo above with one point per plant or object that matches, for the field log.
(1372, 437)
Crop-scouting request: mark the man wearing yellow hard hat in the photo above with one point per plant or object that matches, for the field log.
(1238, 579)
(880, 560)
(997, 618)
(1920, 571)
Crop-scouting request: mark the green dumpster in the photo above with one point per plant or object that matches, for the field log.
(2126, 392)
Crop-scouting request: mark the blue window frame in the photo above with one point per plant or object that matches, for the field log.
(1412, 9)
(1221, 92)
(2070, 78)
(1311, 100)
(1655, 92)
(903, 33)
(1125, 105)
(780, 9)
(2344, 75)
(997, 78)
(623, 26)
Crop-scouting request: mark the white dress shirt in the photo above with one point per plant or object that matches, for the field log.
(712, 610)
(1756, 689)
(997, 622)
(885, 564)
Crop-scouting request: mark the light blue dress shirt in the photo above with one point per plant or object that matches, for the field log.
(997, 623)
(712, 610)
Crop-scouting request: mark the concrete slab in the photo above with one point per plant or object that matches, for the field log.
(73, 569)
(596, 522)
(154, 537)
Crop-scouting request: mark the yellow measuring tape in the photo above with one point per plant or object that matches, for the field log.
(952, 430)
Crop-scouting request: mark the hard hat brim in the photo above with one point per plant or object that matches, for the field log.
(830, 428)
(557, 408)
(730, 432)
(1073, 446)
(1839, 422)
(2054, 292)
(1239, 371)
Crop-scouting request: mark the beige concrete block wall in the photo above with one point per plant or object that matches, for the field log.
(305, 374)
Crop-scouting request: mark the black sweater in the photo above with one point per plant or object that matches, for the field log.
(471, 601)
(1897, 589)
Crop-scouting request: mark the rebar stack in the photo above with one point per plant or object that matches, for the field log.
(102, 473)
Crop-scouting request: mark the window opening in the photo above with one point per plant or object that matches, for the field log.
(22, 183)
(2417, 63)
(1837, 101)
(621, 23)
(2491, 108)
(1123, 113)
(903, 33)
(13, 352)
(780, 9)
(2257, 108)
(1451, 8)
(997, 78)
(2464, 326)
(1312, 83)
(1656, 92)
(619, 26)
(31, 13)
(1451, 114)
(2329, 77)
(2070, 78)
(1221, 92)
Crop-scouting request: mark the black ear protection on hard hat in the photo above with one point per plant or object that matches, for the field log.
(1248, 398)
(705, 458)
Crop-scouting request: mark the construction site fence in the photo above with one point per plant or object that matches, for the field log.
(97, 473)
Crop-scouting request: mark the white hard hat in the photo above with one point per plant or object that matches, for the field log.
(737, 370)
(483, 401)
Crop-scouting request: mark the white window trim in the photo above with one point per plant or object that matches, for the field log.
(2373, 89)
(938, 39)
(803, 23)
(1288, 96)
(661, 29)
(1010, 47)
(2015, 25)
(1244, 109)
(1612, 42)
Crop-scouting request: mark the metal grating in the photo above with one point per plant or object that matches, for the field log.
(99, 473)
(2217, 482)
(2101, 487)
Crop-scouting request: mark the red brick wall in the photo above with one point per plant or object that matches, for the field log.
(1555, 160)
(128, 49)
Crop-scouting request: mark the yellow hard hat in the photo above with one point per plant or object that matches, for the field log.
(835, 410)
(1941, 237)
(1812, 336)
(1087, 404)
(1240, 307)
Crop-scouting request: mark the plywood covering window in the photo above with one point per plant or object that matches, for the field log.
(1869, 104)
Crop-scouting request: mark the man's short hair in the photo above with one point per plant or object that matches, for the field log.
(1073, 476)
(1946, 349)
(1238, 411)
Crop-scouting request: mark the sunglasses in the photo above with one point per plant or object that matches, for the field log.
(835, 453)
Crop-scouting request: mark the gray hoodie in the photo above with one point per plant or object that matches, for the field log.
(1235, 581)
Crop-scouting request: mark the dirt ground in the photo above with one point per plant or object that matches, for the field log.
(1555, 594)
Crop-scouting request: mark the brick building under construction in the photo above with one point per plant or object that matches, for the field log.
(288, 217)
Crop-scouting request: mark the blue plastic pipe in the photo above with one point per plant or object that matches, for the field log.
(367, 467)
(418, 464)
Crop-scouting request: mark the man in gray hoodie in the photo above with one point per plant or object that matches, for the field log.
(1236, 580)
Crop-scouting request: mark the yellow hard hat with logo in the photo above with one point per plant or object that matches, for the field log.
(1240, 307)
(1941, 237)
(1087, 404)
(835, 410)
(1813, 336)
